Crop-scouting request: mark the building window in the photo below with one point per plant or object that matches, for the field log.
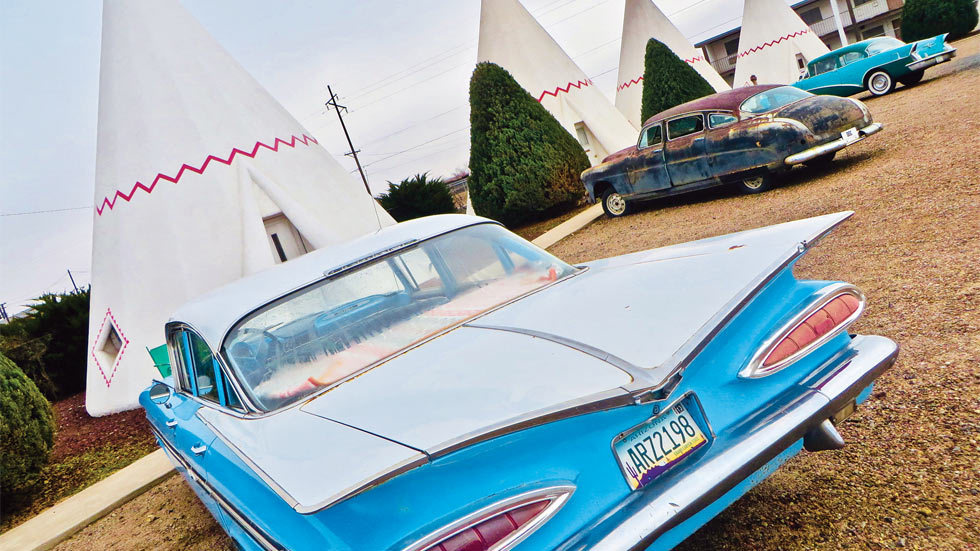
(897, 27)
(112, 344)
(731, 47)
(878, 30)
(583, 138)
(811, 16)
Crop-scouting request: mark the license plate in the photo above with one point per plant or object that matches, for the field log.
(850, 135)
(648, 450)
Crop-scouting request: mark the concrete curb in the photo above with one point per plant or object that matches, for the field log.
(568, 227)
(62, 520)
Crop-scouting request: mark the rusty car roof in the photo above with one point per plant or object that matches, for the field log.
(729, 99)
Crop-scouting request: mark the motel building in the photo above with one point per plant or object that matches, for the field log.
(862, 19)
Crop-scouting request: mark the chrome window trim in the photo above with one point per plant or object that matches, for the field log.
(257, 534)
(674, 118)
(754, 368)
(557, 495)
(657, 412)
(644, 130)
(729, 113)
(247, 406)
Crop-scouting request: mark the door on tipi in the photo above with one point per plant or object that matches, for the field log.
(285, 240)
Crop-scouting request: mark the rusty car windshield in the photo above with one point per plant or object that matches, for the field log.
(332, 329)
(773, 98)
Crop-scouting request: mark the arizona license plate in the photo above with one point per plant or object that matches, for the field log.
(648, 450)
(850, 135)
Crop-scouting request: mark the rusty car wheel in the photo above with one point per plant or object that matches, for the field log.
(880, 83)
(613, 204)
(755, 184)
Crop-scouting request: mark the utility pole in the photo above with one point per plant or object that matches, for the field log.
(332, 102)
(3, 311)
(72, 281)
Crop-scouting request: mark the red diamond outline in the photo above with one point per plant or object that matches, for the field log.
(115, 365)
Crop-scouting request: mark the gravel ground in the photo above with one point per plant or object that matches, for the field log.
(910, 476)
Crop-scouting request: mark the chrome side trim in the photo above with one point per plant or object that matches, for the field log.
(257, 534)
(830, 147)
(557, 495)
(754, 369)
(613, 398)
(934, 59)
(342, 495)
(647, 514)
(635, 371)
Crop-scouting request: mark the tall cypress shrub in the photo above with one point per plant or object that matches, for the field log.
(26, 427)
(668, 81)
(927, 18)
(522, 162)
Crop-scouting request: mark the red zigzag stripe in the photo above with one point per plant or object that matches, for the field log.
(626, 85)
(566, 89)
(774, 42)
(107, 202)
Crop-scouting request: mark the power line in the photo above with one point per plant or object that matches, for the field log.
(418, 145)
(43, 211)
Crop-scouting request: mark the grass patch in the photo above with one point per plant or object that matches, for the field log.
(67, 477)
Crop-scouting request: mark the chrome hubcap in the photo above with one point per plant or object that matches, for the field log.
(615, 203)
(879, 82)
(754, 183)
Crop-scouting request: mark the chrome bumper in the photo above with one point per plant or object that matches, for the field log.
(830, 147)
(934, 59)
(646, 515)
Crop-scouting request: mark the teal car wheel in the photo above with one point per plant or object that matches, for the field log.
(880, 83)
(912, 78)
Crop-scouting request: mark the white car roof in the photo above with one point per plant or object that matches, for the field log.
(213, 313)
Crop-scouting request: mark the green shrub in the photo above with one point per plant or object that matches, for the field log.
(50, 343)
(416, 197)
(927, 18)
(26, 427)
(522, 162)
(668, 81)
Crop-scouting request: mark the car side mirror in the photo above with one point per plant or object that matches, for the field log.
(159, 393)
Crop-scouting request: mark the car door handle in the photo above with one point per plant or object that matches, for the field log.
(171, 423)
(198, 449)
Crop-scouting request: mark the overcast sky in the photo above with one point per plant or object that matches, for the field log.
(401, 67)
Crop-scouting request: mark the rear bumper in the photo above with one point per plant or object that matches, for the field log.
(830, 147)
(644, 516)
(934, 59)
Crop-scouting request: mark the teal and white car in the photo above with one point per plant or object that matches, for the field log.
(874, 65)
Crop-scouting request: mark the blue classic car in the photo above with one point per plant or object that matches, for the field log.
(739, 137)
(874, 65)
(444, 385)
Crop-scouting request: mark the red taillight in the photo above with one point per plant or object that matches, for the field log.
(486, 534)
(500, 526)
(828, 316)
(816, 325)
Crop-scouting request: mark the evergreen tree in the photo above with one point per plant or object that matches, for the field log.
(416, 197)
(927, 18)
(26, 427)
(522, 162)
(668, 81)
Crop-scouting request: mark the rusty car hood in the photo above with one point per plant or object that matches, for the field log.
(621, 154)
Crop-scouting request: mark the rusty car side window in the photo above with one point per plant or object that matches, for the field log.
(684, 125)
(651, 135)
(718, 120)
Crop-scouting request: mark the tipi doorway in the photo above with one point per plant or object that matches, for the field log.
(285, 240)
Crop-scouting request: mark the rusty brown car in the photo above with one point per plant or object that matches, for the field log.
(740, 137)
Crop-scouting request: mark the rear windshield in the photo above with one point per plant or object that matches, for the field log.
(332, 329)
(773, 99)
(883, 45)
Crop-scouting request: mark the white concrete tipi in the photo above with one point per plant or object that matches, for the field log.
(513, 39)
(201, 177)
(774, 41)
(642, 21)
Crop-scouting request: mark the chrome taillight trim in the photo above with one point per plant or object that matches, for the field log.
(755, 370)
(556, 495)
